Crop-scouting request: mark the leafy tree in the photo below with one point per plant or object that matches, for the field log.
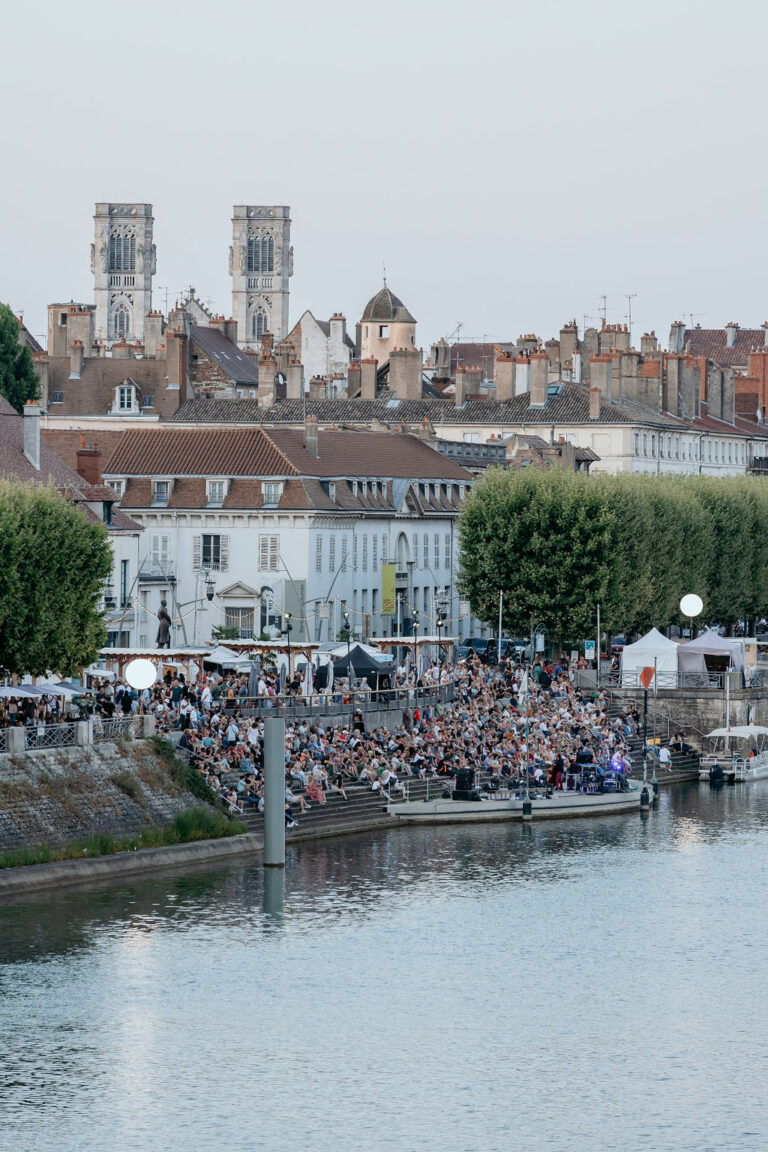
(18, 378)
(53, 570)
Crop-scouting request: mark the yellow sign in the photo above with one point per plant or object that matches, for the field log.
(388, 601)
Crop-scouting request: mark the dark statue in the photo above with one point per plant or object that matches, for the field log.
(163, 627)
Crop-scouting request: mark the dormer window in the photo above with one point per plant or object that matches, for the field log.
(146, 402)
(354, 488)
(118, 487)
(332, 490)
(383, 489)
(216, 491)
(364, 489)
(125, 398)
(272, 490)
(161, 490)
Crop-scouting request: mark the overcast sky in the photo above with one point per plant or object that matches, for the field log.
(511, 163)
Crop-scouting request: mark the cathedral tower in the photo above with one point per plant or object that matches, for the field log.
(123, 264)
(260, 264)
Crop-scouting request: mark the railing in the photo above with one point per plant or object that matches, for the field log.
(684, 680)
(49, 736)
(3, 739)
(340, 703)
(115, 728)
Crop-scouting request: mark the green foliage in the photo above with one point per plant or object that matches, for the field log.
(182, 773)
(194, 824)
(18, 378)
(558, 543)
(230, 633)
(54, 565)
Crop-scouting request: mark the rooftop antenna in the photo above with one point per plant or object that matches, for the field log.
(629, 297)
(384, 269)
(605, 309)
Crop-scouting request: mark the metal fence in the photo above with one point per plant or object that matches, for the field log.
(3, 739)
(686, 680)
(340, 703)
(39, 736)
(116, 728)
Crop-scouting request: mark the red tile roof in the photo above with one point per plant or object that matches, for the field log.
(712, 343)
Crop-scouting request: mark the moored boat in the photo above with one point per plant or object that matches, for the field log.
(739, 755)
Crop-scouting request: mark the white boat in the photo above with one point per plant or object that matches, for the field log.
(509, 806)
(739, 755)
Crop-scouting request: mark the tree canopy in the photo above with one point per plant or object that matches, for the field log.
(559, 543)
(52, 575)
(18, 378)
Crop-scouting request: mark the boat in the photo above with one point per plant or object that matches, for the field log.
(739, 756)
(613, 794)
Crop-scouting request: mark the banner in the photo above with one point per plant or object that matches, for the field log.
(388, 600)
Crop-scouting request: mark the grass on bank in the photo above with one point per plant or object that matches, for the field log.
(194, 824)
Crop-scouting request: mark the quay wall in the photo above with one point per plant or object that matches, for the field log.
(67, 794)
(696, 712)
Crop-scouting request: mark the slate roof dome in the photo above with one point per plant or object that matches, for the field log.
(385, 308)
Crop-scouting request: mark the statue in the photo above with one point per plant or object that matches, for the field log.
(163, 627)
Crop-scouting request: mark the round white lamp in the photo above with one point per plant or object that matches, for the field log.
(141, 674)
(691, 605)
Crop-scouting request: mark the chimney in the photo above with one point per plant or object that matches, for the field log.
(368, 378)
(267, 377)
(267, 341)
(522, 375)
(461, 387)
(294, 380)
(569, 341)
(765, 329)
(595, 396)
(405, 373)
(153, 333)
(338, 329)
(88, 462)
(176, 364)
(648, 343)
(731, 329)
(311, 436)
(600, 374)
(318, 389)
(76, 357)
(576, 368)
(32, 433)
(677, 336)
(353, 380)
(539, 378)
(504, 374)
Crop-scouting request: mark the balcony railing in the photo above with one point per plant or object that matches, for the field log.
(49, 736)
(153, 572)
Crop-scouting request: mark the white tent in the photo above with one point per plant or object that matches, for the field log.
(651, 651)
(728, 652)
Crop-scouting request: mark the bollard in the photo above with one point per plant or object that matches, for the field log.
(645, 800)
(274, 792)
(527, 809)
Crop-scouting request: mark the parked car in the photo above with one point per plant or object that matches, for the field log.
(618, 644)
(478, 644)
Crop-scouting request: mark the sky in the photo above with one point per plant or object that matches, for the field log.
(511, 164)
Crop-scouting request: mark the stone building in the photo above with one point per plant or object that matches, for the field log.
(260, 264)
(386, 324)
(123, 263)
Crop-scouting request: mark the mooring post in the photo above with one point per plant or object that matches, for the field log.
(274, 792)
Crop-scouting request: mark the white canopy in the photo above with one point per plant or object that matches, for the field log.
(222, 655)
(651, 651)
(692, 654)
(745, 732)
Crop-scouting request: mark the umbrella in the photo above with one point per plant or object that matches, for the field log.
(254, 677)
(283, 678)
(306, 687)
(329, 676)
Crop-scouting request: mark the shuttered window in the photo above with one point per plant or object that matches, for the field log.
(437, 549)
(269, 553)
(210, 551)
(318, 554)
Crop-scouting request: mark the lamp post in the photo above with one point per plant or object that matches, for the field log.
(287, 633)
(439, 624)
(346, 629)
(416, 641)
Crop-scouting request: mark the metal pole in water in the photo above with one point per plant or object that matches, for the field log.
(274, 792)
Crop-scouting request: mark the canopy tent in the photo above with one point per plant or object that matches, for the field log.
(743, 732)
(223, 656)
(360, 663)
(651, 651)
(692, 657)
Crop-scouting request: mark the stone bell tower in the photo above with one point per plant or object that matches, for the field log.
(260, 264)
(123, 264)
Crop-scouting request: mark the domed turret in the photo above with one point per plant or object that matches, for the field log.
(385, 324)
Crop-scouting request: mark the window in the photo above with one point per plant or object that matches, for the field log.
(383, 331)
(261, 254)
(354, 553)
(375, 555)
(216, 492)
(123, 583)
(269, 553)
(122, 323)
(332, 490)
(384, 549)
(146, 402)
(425, 554)
(159, 554)
(118, 487)
(383, 489)
(437, 549)
(57, 398)
(118, 639)
(125, 398)
(447, 556)
(106, 512)
(160, 491)
(260, 325)
(365, 553)
(416, 549)
(122, 252)
(344, 551)
(318, 554)
(332, 554)
(272, 491)
(211, 554)
(240, 618)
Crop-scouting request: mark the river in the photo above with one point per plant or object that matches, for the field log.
(573, 985)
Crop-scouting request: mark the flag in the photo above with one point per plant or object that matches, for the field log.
(523, 689)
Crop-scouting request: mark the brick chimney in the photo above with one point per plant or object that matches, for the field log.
(176, 363)
(294, 380)
(600, 374)
(311, 439)
(405, 373)
(89, 462)
(539, 378)
(76, 358)
(32, 433)
(353, 380)
(504, 375)
(368, 369)
(595, 396)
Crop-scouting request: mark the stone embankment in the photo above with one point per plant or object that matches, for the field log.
(62, 795)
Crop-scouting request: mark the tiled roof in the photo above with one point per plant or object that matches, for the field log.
(477, 356)
(241, 369)
(570, 406)
(712, 343)
(254, 452)
(325, 327)
(93, 392)
(386, 308)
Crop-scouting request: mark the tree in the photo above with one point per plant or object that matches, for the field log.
(54, 567)
(18, 379)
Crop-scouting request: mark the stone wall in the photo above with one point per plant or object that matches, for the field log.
(696, 713)
(66, 794)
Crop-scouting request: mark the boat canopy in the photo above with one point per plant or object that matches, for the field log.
(744, 732)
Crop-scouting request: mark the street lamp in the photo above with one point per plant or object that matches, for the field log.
(287, 633)
(346, 629)
(439, 624)
(109, 595)
(416, 641)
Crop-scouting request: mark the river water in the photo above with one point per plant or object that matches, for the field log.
(577, 985)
